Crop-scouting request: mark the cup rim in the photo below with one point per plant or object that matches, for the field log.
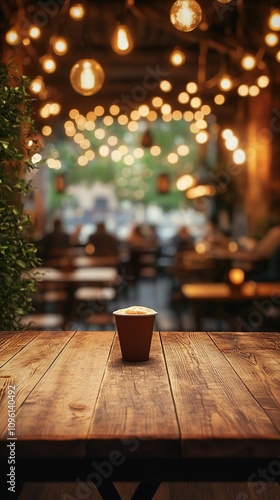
(116, 313)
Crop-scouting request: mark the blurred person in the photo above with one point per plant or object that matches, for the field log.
(183, 240)
(55, 242)
(105, 244)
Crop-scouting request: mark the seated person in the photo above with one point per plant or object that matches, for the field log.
(183, 241)
(105, 244)
(55, 242)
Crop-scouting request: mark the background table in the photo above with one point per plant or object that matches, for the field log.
(219, 294)
(206, 406)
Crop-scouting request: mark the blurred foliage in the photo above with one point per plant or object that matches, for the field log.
(17, 254)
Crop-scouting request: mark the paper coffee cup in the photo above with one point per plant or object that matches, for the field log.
(135, 327)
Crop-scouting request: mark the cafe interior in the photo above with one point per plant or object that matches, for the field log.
(157, 181)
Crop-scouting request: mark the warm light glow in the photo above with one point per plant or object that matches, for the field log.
(73, 113)
(138, 153)
(232, 246)
(183, 150)
(114, 109)
(155, 150)
(239, 156)
(206, 110)
(104, 151)
(122, 42)
(183, 97)
(165, 86)
(99, 133)
(46, 130)
(199, 191)
(263, 81)
(227, 133)
(77, 11)
(116, 155)
(48, 63)
(89, 154)
(177, 115)
(188, 116)
(99, 110)
(12, 37)
(185, 15)
(185, 182)
(225, 83)
(82, 161)
(248, 62)
(87, 77)
(133, 126)
(85, 144)
(60, 46)
(152, 116)
(232, 143)
(200, 247)
(274, 20)
(34, 32)
(191, 87)
(143, 110)
(122, 119)
(172, 158)
(157, 102)
(202, 137)
(243, 90)
(224, 1)
(37, 85)
(177, 57)
(112, 140)
(271, 39)
(166, 109)
(254, 90)
(236, 276)
(219, 99)
(195, 102)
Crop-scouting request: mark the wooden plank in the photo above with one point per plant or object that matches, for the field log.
(217, 414)
(64, 399)
(12, 342)
(135, 403)
(28, 366)
(256, 359)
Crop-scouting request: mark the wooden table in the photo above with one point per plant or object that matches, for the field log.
(221, 293)
(205, 407)
(89, 275)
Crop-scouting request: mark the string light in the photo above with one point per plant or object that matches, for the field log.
(274, 20)
(12, 37)
(225, 83)
(48, 63)
(122, 42)
(60, 46)
(248, 62)
(77, 12)
(185, 15)
(177, 57)
(87, 77)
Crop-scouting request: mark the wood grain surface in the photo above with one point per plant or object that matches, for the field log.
(135, 411)
(218, 415)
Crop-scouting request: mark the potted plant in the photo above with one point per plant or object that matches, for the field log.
(17, 145)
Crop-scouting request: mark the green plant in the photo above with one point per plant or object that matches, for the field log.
(17, 144)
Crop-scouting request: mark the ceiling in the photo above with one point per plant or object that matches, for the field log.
(216, 46)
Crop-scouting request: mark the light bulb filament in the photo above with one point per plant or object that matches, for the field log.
(122, 40)
(87, 77)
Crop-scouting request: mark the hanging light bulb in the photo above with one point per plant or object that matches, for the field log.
(48, 63)
(122, 42)
(87, 77)
(60, 45)
(34, 32)
(248, 62)
(271, 39)
(77, 11)
(37, 85)
(185, 15)
(274, 20)
(177, 57)
(12, 37)
(225, 83)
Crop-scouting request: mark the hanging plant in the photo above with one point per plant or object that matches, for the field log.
(18, 142)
